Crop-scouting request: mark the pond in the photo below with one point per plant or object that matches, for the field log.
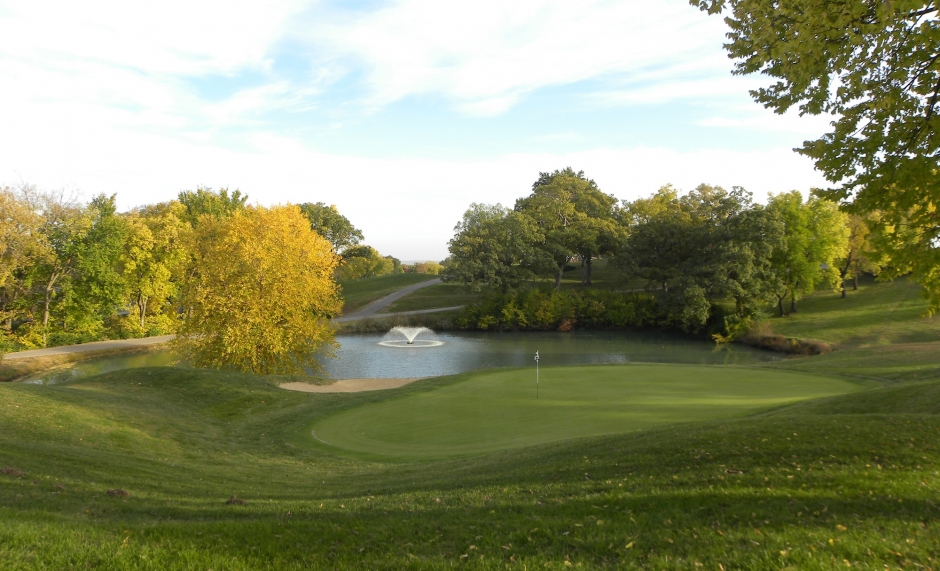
(361, 356)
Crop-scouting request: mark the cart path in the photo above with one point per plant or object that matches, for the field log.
(87, 347)
(380, 304)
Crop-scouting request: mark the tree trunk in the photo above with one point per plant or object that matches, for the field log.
(780, 306)
(561, 270)
(845, 270)
(587, 272)
(855, 280)
(142, 308)
(45, 309)
(793, 302)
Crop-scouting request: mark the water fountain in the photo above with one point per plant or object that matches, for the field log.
(408, 337)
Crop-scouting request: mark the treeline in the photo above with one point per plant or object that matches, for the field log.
(74, 272)
(710, 259)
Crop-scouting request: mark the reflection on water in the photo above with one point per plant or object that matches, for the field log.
(361, 356)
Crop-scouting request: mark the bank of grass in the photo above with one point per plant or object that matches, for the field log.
(435, 296)
(878, 332)
(844, 481)
(359, 293)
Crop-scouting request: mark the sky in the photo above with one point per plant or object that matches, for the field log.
(401, 113)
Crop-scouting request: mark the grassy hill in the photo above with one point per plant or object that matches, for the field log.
(850, 478)
(136, 470)
(879, 333)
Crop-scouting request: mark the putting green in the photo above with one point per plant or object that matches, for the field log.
(498, 410)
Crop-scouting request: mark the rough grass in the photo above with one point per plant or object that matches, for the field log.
(359, 293)
(847, 481)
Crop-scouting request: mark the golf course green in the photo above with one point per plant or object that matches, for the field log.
(498, 410)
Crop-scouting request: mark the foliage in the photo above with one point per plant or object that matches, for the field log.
(574, 216)
(537, 309)
(329, 223)
(21, 246)
(700, 249)
(364, 262)
(875, 67)
(260, 294)
(816, 237)
(429, 267)
(153, 260)
(206, 202)
(496, 247)
(860, 256)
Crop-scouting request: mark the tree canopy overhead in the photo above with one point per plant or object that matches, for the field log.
(875, 67)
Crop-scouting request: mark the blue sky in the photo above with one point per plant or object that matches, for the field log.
(400, 113)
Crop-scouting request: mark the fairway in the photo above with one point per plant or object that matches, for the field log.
(498, 410)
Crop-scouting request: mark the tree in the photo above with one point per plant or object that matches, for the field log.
(64, 224)
(364, 262)
(261, 293)
(206, 202)
(701, 249)
(154, 255)
(875, 67)
(329, 223)
(21, 246)
(858, 255)
(815, 237)
(97, 288)
(497, 247)
(574, 216)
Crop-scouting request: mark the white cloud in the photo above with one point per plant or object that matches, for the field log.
(486, 55)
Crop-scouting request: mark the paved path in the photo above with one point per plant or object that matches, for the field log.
(378, 305)
(85, 347)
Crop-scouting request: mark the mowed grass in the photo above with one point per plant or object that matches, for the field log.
(435, 296)
(880, 313)
(879, 333)
(360, 293)
(499, 410)
(843, 482)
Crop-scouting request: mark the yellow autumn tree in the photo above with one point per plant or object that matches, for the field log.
(259, 293)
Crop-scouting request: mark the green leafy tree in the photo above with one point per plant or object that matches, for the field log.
(574, 216)
(153, 259)
(859, 256)
(815, 238)
(206, 202)
(700, 249)
(497, 247)
(329, 223)
(364, 262)
(98, 287)
(874, 66)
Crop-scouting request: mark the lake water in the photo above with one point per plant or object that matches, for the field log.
(361, 356)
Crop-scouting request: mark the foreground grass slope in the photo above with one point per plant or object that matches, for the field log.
(850, 480)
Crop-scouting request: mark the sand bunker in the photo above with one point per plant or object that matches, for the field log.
(350, 385)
